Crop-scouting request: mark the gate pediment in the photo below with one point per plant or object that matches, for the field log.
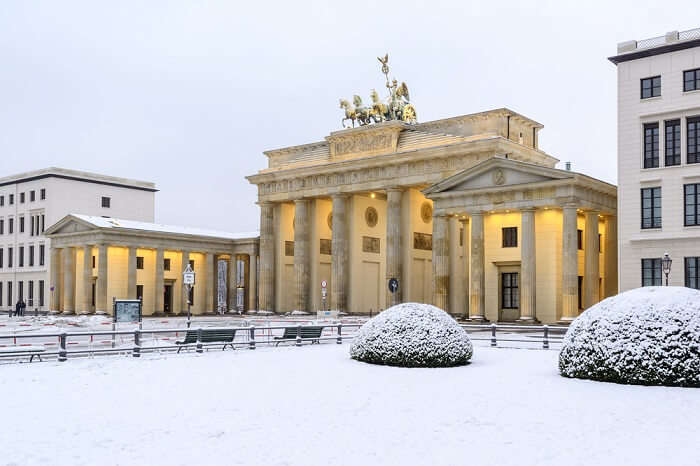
(498, 172)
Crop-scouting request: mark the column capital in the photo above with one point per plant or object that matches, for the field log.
(528, 209)
(340, 195)
(395, 189)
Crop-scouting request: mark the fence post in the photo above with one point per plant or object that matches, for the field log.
(62, 353)
(199, 340)
(251, 345)
(137, 344)
(298, 335)
(340, 334)
(545, 340)
(493, 334)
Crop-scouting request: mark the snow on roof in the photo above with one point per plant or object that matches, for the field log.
(117, 223)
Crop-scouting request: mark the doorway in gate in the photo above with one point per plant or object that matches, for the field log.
(168, 299)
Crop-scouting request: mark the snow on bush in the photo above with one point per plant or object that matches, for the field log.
(412, 335)
(647, 336)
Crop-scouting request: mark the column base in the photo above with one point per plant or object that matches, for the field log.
(527, 321)
(565, 320)
(477, 320)
(68, 313)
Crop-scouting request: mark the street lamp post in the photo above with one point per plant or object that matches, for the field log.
(666, 265)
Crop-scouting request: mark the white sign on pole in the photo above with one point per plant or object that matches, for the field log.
(323, 284)
(188, 276)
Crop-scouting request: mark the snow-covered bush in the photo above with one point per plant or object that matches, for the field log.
(647, 336)
(412, 335)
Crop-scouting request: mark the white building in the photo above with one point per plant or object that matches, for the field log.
(659, 158)
(31, 202)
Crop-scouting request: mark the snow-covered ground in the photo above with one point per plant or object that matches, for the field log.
(315, 406)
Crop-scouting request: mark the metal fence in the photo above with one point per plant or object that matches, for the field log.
(138, 341)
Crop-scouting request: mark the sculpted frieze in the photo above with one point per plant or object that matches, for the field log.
(363, 143)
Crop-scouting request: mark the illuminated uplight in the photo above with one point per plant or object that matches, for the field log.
(372, 195)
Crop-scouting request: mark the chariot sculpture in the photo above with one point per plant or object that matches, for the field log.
(397, 106)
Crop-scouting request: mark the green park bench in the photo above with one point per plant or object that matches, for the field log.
(312, 333)
(225, 336)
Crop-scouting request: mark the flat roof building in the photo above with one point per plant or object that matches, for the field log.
(658, 162)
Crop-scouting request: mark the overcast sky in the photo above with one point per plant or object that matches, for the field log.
(188, 94)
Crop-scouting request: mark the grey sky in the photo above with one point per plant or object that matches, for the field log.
(189, 94)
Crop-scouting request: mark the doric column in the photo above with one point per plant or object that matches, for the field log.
(339, 253)
(569, 264)
(159, 286)
(232, 285)
(393, 244)
(68, 280)
(440, 262)
(253, 282)
(610, 253)
(267, 257)
(209, 283)
(301, 254)
(86, 304)
(591, 261)
(528, 266)
(455, 273)
(131, 273)
(185, 261)
(55, 279)
(465, 267)
(101, 304)
(476, 278)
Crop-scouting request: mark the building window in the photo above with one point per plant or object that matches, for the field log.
(12, 199)
(693, 139)
(20, 257)
(32, 196)
(691, 80)
(651, 87)
(20, 290)
(166, 264)
(106, 202)
(2, 201)
(41, 293)
(9, 292)
(580, 292)
(21, 224)
(31, 229)
(94, 261)
(510, 292)
(672, 149)
(579, 239)
(11, 225)
(42, 253)
(139, 262)
(510, 237)
(21, 198)
(2, 227)
(31, 256)
(692, 204)
(1, 258)
(192, 264)
(651, 272)
(93, 293)
(10, 254)
(651, 208)
(1, 294)
(600, 243)
(691, 272)
(139, 292)
(42, 194)
(651, 145)
(30, 293)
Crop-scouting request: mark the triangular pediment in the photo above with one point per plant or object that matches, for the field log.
(69, 224)
(498, 172)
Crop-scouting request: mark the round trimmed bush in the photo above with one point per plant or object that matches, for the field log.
(647, 336)
(412, 335)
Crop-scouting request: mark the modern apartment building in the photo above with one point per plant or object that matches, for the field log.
(31, 202)
(658, 83)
